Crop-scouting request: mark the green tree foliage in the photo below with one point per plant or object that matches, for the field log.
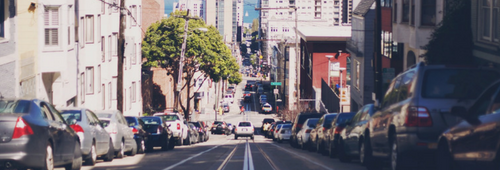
(205, 53)
(255, 45)
(451, 42)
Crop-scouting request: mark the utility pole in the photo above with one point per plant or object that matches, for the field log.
(121, 51)
(181, 66)
(297, 54)
(378, 55)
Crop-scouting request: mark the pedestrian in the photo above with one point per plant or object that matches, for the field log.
(242, 110)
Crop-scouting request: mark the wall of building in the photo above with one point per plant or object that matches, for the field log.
(9, 57)
(152, 11)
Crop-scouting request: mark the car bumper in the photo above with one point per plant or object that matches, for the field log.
(22, 153)
(415, 152)
(154, 140)
(243, 133)
(285, 136)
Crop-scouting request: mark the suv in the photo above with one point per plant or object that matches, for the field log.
(175, 121)
(416, 110)
(244, 129)
(219, 127)
(297, 125)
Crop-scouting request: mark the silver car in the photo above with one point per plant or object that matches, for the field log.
(121, 134)
(95, 140)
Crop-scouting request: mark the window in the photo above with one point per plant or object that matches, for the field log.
(109, 47)
(133, 21)
(98, 78)
(428, 12)
(395, 11)
(412, 13)
(489, 20)
(89, 29)
(114, 44)
(82, 32)
(82, 87)
(139, 12)
(406, 11)
(133, 92)
(358, 70)
(3, 20)
(110, 94)
(133, 59)
(103, 101)
(103, 7)
(71, 20)
(103, 48)
(114, 83)
(98, 27)
(89, 87)
(51, 24)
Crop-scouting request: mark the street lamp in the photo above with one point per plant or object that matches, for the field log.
(329, 57)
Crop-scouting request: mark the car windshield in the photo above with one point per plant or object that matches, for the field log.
(312, 122)
(245, 124)
(105, 123)
(72, 114)
(329, 119)
(286, 126)
(131, 121)
(218, 123)
(104, 115)
(151, 120)
(169, 118)
(14, 106)
(456, 83)
(344, 117)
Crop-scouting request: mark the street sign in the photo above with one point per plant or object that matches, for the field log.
(275, 83)
(276, 91)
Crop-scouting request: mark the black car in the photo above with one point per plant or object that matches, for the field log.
(297, 125)
(352, 137)
(333, 135)
(219, 127)
(159, 133)
(200, 130)
(248, 87)
(34, 135)
(474, 143)
(140, 135)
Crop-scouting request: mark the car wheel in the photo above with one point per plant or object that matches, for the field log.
(444, 159)
(111, 152)
(49, 158)
(77, 159)
(318, 146)
(121, 151)
(165, 144)
(366, 157)
(187, 141)
(395, 159)
(251, 137)
(332, 150)
(279, 140)
(141, 147)
(171, 144)
(179, 141)
(92, 158)
(343, 157)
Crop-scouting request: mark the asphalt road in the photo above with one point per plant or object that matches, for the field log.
(223, 152)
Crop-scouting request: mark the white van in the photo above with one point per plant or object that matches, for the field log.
(229, 98)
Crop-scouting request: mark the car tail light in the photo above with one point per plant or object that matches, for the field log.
(338, 130)
(134, 130)
(178, 126)
(418, 117)
(299, 126)
(21, 129)
(308, 130)
(324, 128)
(77, 128)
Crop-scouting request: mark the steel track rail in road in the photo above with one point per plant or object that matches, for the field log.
(268, 159)
(229, 157)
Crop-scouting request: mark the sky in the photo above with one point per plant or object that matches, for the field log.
(249, 6)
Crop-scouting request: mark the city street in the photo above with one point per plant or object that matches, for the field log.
(224, 152)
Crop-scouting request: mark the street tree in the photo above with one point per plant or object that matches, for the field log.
(205, 53)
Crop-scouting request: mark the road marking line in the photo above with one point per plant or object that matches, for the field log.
(194, 156)
(223, 165)
(297, 154)
(248, 160)
(267, 158)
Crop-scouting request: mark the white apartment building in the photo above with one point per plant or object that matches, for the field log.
(196, 7)
(98, 56)
(412, 26)
(56, 52)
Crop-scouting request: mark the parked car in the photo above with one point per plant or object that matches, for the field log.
(276, 129)
(284, 133)
(219, 127)
(193, 134)
(121, 135)
(159, 133)
(475, 141)
(244, 128)
(140, 135)
(225, 106)
(271, 132)
(332, 135)
(267, 108)
(264, 121)
(317, 135)
(260, 90)
(248, 87)
(303, 139)
(201, 132)
(415, 112)
(297, 125)
(94, 140)
(352, 143)
(206, 128)
(175, 122)
(35, 135)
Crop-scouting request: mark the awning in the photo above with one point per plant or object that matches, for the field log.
(330, 33)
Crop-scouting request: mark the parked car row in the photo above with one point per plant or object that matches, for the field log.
(431, 116)
(36, 135)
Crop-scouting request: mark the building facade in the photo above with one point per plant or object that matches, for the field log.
(9, 59)
(486, 33)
